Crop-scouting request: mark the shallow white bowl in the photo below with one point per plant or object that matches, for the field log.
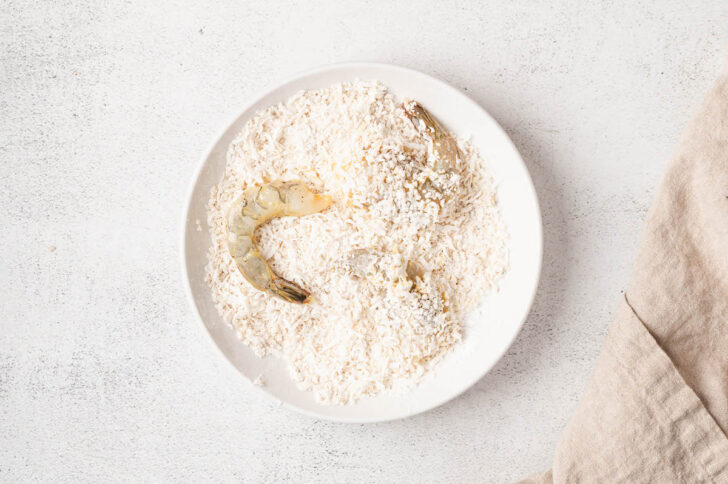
(489, 330)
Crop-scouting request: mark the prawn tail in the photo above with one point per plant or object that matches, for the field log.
(289, 291)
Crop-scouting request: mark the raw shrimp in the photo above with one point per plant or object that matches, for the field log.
(252, 209)
(443, 145)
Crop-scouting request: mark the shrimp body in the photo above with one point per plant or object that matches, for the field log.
(443, 145)
(253, 208)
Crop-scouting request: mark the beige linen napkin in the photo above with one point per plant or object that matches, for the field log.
(656, 407)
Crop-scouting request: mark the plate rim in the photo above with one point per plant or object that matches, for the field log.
(202, 162)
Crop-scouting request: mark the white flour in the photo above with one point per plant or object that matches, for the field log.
(369, 327)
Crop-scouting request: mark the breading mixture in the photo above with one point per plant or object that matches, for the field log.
(392, 266)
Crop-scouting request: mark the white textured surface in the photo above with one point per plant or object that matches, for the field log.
(104, 372)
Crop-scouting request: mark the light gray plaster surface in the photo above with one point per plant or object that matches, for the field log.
(105, 108)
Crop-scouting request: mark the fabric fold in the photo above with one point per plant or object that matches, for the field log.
(638, 420)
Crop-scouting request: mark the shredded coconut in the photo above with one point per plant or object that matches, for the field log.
(394, 264)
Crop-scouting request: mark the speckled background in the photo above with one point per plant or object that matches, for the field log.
(105, 108)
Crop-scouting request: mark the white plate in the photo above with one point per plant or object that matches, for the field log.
(489, 331)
